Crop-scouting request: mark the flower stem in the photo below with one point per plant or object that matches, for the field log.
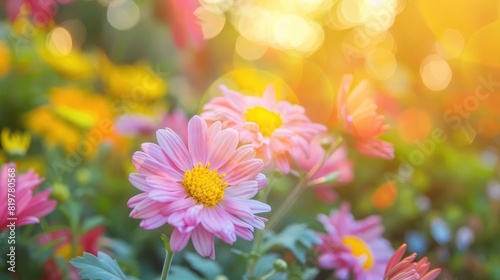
(285, 206)
(259, 234)
(268, 275)
(302, 184)
(169, 256)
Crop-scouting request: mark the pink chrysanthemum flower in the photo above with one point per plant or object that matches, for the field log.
(202, 190)
(406, 269)
(357, 110)
(274, 128)
(353, 248)
(29, 208)
(337, 162)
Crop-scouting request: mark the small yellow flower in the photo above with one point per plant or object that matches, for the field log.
(73, 65)
(138, 82)
(77, 120)
(4, 58)
(16, 143)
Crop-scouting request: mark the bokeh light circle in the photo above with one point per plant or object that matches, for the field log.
(435, 72)
(123, 14)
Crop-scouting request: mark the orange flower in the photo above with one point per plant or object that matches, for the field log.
(385, 195)
(358, 111)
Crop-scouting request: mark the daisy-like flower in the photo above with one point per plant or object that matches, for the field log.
(353, 248)
(203, 189)
(29, 208)
(277, 129)
(357, 110)
(406, 269)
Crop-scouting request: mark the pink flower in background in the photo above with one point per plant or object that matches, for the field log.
(337, 162)
(203, 189)
(88, 242)
(142, 125)
(277, 129)
(184, 24)
(42, 11)
(406, 269)
(353, 248)
(29, 208)
(358, 111)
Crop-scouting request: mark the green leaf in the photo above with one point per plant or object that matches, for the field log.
(310, 273)
(102, 267)
(296, 237)
(181, 273)
(167, 243)
(208, 268)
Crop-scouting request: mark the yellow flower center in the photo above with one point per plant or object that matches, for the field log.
(359, 248)
(64, 251)
(204, 185)
(267, 120)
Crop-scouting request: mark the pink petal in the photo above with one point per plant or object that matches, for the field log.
(282, 163)
(146, 164)
(203, 242)
(432, 274)
(244, 171)
(261, 181)
(146, 209)
(138, 180)
(27, 220)
(192, 217)
(223, 146)
(234, 98)
(174, 148)
(395, 258)
(154, 222)
(197, 140)
(269, 97)
(179, 240)
(244, 190)
(167, 196)
(237, 209)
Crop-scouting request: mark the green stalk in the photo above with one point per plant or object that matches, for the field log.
(169, 256)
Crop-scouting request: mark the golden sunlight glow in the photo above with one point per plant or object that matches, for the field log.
(211, 22)
(249, 50)
(451, 44)
(59, 42)
(436, 73)
(349, 13)
(381, 63)
(378, 15)
(283, 25)
(290, 31)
